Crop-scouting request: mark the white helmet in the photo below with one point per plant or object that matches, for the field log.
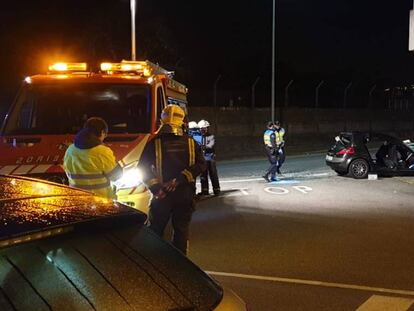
(192, 125)
(203, 124)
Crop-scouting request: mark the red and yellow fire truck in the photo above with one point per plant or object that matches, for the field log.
(50, 108)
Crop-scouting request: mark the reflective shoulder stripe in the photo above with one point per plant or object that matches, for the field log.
(92, 187)
(85, 176)
(191, 152)
(116, 173)
(158, 158)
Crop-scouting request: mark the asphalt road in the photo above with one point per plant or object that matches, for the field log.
(311, 241)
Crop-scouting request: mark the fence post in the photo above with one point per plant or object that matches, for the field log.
(287, 93)
(346, 94)
(215, 102)
(317, 93)
(253, 103)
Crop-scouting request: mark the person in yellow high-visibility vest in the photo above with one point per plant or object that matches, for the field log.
(280, 144)
(269, 140)
(89, 164)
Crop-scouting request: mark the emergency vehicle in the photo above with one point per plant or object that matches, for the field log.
(50, 108)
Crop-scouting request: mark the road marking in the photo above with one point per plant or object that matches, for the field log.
(243, 190)
(303, 189)
(320, 174)
(375, 303)
(284, 182)
(290, 175)
(239, 180)
(276, 190)
(315, 283)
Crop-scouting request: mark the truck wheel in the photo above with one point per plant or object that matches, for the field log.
(359, 169)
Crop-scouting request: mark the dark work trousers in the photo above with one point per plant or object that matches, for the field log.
(280, 158)
(272, 155)
(179, 206)
(212, 172)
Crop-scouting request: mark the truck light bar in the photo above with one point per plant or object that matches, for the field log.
(65, 67)
(139, 67)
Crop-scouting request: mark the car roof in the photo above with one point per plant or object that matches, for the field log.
(29, 205)
(104, 256)
(371, 135)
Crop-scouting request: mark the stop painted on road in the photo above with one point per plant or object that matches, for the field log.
(282, 190)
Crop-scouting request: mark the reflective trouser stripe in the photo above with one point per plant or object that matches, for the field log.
(152, 182)
(92, 187)
(188, 175)
(191, 152)
(158, 159)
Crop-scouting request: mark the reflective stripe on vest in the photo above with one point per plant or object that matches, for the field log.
(158, 159)
(191, 152)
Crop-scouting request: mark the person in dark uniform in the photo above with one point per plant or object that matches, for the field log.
(170, 163)
(269, 140)
(207, 142)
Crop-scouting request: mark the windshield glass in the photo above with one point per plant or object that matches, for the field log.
(63, 108)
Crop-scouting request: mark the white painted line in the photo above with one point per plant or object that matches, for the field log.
(375, 303)
(244, 191)
(291, 175)
(239, 180)
(315, 283)
(319, 174)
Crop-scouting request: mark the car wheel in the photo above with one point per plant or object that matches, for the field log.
(359, 169)
(341, 173)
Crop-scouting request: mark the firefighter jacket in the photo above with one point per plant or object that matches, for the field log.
(91, 166)
(207, 146)
(169, 156)
(269, 138)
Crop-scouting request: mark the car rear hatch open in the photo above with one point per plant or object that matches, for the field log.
(342, 142)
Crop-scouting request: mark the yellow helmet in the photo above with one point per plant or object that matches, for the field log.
(172, 115)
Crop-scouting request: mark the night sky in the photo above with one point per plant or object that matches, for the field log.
(338, 41)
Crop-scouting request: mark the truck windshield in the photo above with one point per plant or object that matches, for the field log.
(63, 108)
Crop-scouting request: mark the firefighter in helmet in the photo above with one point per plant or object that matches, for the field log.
(170, 162)
(207, 145)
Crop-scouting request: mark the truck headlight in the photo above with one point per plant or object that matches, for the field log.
(131, 178)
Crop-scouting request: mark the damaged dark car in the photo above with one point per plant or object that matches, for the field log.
(357, 154)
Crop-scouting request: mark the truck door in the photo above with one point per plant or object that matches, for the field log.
(160, 101)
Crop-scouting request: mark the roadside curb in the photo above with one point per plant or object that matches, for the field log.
(260, 158)
(406, 180)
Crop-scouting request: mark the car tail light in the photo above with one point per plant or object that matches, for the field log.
(349, 150)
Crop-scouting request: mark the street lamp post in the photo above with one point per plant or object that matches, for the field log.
(133, 37)
(273, 60)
